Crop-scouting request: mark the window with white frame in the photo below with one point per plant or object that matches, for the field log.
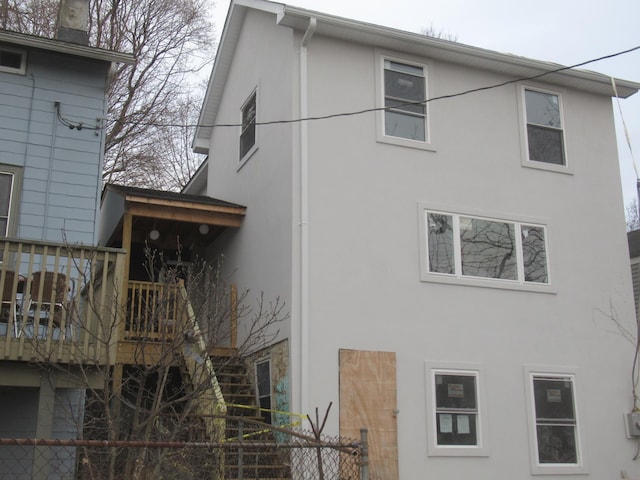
(545, 136)
(456, 408)
(263, 383)
(405, 94)
(10, 180)
(554, 433)
(466, 246)
(248, 133)
(456, 411)
(12, 60)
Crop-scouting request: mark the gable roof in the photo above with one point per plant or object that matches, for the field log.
(387, 38)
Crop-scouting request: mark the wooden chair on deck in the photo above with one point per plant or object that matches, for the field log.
(48, 295)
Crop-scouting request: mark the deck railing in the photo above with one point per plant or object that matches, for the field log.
(59, 302)
(155, 310)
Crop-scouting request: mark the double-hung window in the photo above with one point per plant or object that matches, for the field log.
(465, 246)
(401, 90)
(544, 128)
(456, 411)
(404, 101)
(248, 133)
(554, 433)
(456, 408)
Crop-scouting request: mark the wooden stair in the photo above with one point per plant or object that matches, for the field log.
(257, 458)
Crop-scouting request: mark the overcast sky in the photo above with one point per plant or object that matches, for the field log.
(561, 31)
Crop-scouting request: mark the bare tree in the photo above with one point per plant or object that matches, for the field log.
(167, 391)
(172, 42)
(632, 216)
(431, 31)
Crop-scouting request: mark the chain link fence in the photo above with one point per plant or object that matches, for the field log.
(263, 455)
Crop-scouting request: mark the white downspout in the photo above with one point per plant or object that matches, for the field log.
(304, 221)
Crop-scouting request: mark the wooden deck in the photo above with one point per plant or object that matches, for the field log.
(59, 302)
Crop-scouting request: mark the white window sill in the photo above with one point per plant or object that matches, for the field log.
(247, 156)
(405, 142)
(550, 167)
(487, 283)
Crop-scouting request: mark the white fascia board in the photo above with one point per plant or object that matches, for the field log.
(222, 64)
(454, 52)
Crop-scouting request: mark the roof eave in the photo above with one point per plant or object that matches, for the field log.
(454, 52)
(48, 44)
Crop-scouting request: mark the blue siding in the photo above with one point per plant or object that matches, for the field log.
(61, 167)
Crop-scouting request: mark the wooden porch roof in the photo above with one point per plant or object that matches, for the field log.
(194, 219)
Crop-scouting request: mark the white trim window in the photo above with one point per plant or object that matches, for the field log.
(12, 60)
(401, 89)
(466, 246)
(544, 127)
(248, 132)
(6, 187)
(456, 412)
(554, 423)
(263, 388)
(405, 94)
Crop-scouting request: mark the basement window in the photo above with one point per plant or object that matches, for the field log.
(12, 60)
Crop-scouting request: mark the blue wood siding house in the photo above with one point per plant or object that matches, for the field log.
(52, 128)
(53, 170)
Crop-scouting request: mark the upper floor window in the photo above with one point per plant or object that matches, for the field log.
(545, 136)
(404, 99)
(10, 188)
(6, 188)
(555, 437)
(401, 89)
(12, 60)
(248, 134)
(464, 246)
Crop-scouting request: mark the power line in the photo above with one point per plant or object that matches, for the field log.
(377, 109)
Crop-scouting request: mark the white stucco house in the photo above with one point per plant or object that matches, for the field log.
(455, 264)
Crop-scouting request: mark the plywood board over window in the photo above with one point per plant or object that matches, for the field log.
(368, 399)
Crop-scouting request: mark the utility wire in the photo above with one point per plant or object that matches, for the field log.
(377, 109)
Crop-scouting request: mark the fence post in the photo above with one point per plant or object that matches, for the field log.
(364, 455)
(240, 450)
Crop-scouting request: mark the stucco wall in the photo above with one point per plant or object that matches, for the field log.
(365, 259)
(258, 255)
(367, 289)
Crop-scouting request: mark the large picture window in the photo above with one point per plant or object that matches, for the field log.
(469, 246)
(545, 137)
